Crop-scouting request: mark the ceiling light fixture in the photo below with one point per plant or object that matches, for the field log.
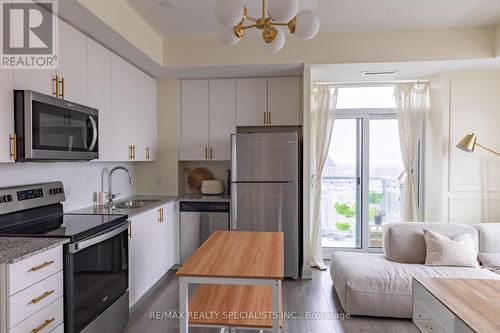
(233, 15)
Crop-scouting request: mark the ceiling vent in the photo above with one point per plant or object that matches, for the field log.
(379, 73)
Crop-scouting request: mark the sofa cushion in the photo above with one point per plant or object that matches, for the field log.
(404, 242)
(489, 236)
(455, 251)
(489, 259)
(368, 284)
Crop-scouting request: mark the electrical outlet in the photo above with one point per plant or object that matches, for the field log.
(67, 190)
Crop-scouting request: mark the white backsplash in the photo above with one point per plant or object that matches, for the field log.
(81, 179)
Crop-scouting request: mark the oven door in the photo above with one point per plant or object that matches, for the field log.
(58, 129)
(97, 276)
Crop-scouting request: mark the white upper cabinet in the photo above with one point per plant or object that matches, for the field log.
(72, 65)
(222, 118)
(6, 116)
(133, 101)
(194, 135)
(283, 101)
(251, 102)
(99, 95)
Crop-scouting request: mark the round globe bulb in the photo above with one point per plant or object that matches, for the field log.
(277, 44)
(229, 12)
(307, 24)
(283, 10)
(226, 35)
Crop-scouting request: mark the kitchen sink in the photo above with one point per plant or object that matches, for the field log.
(133, 204)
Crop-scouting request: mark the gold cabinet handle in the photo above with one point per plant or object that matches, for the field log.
(39, 267)
(45, 324)
(55, 81)
(133, 152)
(13, 142)
(269, 118)
(265, 117)
(159, 215)
(129, 229)
(41, 297)
(206, 153)
(147, 153)
(62, 88)
(211, 153)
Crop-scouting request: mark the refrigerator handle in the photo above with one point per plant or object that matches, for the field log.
(234, 206)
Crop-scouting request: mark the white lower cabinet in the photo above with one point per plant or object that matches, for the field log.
(152, 239)
(31, 294)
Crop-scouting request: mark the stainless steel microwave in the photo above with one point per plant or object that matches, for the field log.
(49, 128)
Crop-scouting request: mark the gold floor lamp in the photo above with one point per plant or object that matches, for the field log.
(470, 142)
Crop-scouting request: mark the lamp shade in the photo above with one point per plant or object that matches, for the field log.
(229, 12)
(307, 24)
(283, 10)
(226, 35)
(277, 44)
(468, 143)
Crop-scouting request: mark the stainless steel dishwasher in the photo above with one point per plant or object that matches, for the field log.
(198, 220)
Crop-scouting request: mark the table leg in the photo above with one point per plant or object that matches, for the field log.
(276, 306)
(183, 305)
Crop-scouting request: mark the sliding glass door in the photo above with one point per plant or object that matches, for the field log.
(361, 188)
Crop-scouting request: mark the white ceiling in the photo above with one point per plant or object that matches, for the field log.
(348, 73)
(196, 17)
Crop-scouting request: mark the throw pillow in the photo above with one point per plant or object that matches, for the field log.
(455, 251)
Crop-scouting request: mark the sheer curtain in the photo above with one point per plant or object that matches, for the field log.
(323, 104)
(411, 102)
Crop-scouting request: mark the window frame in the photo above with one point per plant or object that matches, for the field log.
(363, 117)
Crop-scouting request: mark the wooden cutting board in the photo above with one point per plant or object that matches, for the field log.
(196, 176)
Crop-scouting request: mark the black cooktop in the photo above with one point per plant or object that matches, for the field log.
(73, 226)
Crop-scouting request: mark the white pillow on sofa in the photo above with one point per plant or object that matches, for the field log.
(455, 251)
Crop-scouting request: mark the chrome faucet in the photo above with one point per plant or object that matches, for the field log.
(111, 196)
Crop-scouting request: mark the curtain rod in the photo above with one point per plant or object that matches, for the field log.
(370, 83)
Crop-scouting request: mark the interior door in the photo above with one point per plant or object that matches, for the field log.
(269, 207)
(222, 118)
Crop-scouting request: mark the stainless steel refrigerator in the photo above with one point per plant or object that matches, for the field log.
(265, 188)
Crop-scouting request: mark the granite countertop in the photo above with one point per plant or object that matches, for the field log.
(14, 249)
(130, 212)
(206, 198)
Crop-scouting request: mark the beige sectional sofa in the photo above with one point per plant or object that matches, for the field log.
(380, 284)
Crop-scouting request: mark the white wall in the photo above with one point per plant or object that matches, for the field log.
(81, 179)
(463, 187)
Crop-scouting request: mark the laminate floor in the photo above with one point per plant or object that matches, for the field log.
(312, 296)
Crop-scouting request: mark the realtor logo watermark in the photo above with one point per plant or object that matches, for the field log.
(28, 34)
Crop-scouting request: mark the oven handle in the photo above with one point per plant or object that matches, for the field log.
(94, 133)
(77, 247)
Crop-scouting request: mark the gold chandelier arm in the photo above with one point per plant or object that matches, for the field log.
(249, 26)
(279, 23)
(263, 8)
(250, 18)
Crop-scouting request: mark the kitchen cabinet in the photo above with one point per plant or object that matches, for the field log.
(152, 248)
(72, 64)
(39, 80)
(283, 101)
(133, 101)
(6, 116)
(194, 132)
(99, 95)
(39, 278)
(222, 118)
(208, 118)
(251, 102)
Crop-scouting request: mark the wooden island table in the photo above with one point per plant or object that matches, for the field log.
(238, 276)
